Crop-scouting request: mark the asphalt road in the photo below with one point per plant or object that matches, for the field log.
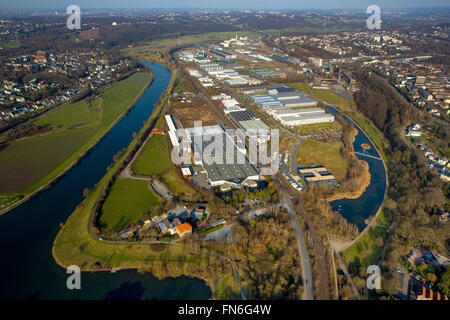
(303, 252)
(293, 154)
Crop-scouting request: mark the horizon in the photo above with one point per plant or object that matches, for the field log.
(30, 5)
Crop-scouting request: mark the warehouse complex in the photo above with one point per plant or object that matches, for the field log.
(230, 167)
(288, 106)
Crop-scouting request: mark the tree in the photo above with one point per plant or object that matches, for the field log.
(444, 283)
(432, 277)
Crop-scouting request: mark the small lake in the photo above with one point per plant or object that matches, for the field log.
(27, 267)
(358, 210)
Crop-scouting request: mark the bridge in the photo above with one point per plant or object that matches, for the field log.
(367, 155)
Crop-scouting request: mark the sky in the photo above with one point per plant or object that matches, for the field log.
(221, 4)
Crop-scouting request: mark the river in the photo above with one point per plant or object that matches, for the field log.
(358, 210)
(27, 267)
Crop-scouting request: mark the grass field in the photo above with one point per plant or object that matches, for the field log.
(320, 94)
(121, 95)
(10, 44)
(318, 127)
(73, 115)
(367, 250)
(326, 154)
(329, 97)
(287, 143)
(301, 86)
(127, 202)
(174, 183)
(154, 159)
(30, 163)
(25, 162)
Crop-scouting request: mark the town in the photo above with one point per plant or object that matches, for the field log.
(225, 154)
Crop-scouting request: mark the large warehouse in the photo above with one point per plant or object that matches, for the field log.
(293, 121)
(296, 117)
(236, 174)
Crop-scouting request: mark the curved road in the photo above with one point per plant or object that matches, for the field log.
(303, 252)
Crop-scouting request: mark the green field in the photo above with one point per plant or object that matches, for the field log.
(154, 159)
(121, 95)
(367, 250)
(25, 162)
(308, 129)
(301, 86)
(320, 94)
(326, 154)
(174, 183)
(10, 44)
(30, 163)
(127, 202)
(73, 115)
(329, 97)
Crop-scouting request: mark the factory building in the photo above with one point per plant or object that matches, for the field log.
(296, 117)
(235, 174)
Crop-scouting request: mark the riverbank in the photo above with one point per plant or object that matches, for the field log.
(363, 182)
(75, 158)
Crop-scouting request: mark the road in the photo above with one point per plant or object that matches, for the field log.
(303, 252)
(294, 152)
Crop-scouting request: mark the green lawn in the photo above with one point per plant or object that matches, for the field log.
(326, 154)
(30, 163)
(154, 159)
(367, 250)
(127, 202)
(25, 162)
(73, 115)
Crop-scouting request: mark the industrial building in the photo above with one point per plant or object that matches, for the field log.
(296, 117)
(278, 97)
(317, 175)
(237, 173)
(292, 121)
(242, 115)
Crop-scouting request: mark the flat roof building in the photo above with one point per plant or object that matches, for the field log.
(317, 175)
(292, 121)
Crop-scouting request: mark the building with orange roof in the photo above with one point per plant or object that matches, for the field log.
(425, 293)
(184, 229)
